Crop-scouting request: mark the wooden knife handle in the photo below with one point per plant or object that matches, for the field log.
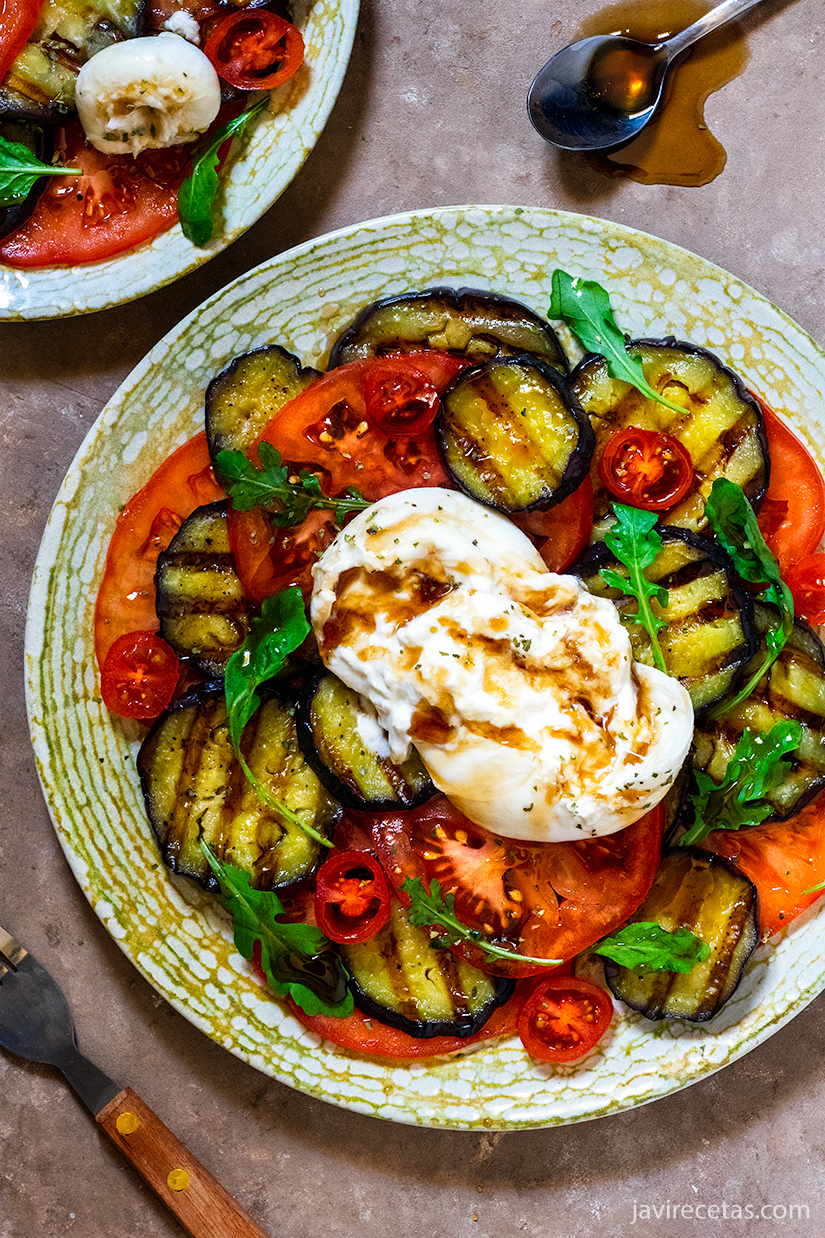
(200, 1203)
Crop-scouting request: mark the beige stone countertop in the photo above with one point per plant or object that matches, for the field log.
(432, 113)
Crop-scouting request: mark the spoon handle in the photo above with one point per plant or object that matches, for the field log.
(716, 17)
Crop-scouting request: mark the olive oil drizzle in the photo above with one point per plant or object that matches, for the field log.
(676, 148)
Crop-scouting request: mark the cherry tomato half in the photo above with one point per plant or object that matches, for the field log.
(563, 1018)
(139, 676)
(400, 399)
(646, 468)
(352, 897)
(255, 50)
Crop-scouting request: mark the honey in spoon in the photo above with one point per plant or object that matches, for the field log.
(676, 148)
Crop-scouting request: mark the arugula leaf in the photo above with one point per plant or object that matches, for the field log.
(268, 486)
(280, 630)
(296, 958)
(196, 195)
(585, 306)
(428, 908)
(636, 543)
(756, 767)
(734, 522)
(645, 946)
(20, 169)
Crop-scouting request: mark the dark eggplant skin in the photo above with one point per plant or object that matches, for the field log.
(726, 671)
(614, 405)
(242, 399)
(511, 328)
(193, 787)
(716, 902)
(400, 962)
(347, 792)
(40, 140)
(42, 88)
(792, 689)
(481, 472)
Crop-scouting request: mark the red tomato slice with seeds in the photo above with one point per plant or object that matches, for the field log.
(783, 859)
(145, 527)
(116, 203)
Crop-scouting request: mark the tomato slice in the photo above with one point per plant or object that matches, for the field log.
(269, 559)
(118, 202)
(139, 676)
(646, 468)
(255, 50)
(783, 859)
(792, 514)
(145, 527)
(18, 19)
(561, 533)
(352, 897)
(400, 399)
(563, 1018)
(806, 581)
(327, 430)
(367, 1036)
(546, 900)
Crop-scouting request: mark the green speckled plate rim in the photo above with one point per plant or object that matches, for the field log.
(174, 933)
(262, 165)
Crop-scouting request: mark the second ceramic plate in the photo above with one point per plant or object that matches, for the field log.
(261, 166)
(177, 935)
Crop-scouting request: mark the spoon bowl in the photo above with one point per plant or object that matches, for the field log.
(600, 92)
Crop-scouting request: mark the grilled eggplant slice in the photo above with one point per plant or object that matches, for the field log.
(700, 893)
(194, 788)
(41, 82)
(710, 635)
(243, 398)
(203, 610)
(40, 141)
(512, 435)
(793, 688)
(468, 323)
(399, 978)
(343, 743)
(722, 426)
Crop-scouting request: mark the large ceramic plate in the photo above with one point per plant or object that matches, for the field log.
(175, 934)
(261, 165)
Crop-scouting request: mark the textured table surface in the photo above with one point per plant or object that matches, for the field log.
(431, 113)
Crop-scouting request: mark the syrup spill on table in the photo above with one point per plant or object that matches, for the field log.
(676, 148)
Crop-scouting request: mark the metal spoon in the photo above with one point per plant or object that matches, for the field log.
(600, 92)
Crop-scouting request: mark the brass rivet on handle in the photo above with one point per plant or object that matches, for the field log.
(127, 1123)
(177, 1180)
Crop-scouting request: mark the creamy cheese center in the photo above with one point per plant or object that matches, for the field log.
(516, 686)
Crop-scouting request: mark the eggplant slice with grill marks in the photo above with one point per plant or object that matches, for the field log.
(40, 84)
(513, 436)
(718, 904)
(244, 397)
(203, 610)
(722, 425)
(468, 323)
(399, 978)
(710, 634)
(343, 744)
(793, 689)
(194, 789)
